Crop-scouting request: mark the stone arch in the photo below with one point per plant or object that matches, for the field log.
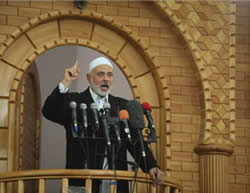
(56, 30)
(206, 130)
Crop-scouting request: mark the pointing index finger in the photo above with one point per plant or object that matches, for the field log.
(76, 64)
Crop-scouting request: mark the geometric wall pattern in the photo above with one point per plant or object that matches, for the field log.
(209, 28)
(173, 38)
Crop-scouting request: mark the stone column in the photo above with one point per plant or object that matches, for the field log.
(214, 168)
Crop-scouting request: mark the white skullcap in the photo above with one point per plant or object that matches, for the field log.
(99, 61)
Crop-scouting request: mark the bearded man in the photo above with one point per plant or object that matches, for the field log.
(91, 154)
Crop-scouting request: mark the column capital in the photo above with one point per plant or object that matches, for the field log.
(203, 149)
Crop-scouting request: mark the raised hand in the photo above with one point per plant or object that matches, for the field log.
(71, 74)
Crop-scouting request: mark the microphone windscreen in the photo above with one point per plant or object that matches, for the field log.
(123, 114)
(136, 114)
(93, 106)
(146, 106)
(83, 106)
(72, 104)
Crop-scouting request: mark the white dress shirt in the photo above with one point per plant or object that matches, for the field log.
(99, 101)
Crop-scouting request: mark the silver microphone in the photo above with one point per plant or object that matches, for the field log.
(73, 106)
(83, 108)
(107, 107)
(94, 111)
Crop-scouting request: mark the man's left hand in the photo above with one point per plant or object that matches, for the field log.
(157, 176)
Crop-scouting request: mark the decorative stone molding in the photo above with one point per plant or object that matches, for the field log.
(214, 149)
(214, 167)
(186, 16)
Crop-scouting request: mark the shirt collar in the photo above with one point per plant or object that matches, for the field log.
(96, 97)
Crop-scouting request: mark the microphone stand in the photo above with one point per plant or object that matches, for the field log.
(115, 148)
(94, 132)
(113, 167)
(151, 134)
(82, 132)
(153, 139)
(143, 153)
(135, 168)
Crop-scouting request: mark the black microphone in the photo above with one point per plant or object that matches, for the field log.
(94, 111)
(105, 125)
(136, 120)
(83, 108)
(107, 107)
(117, 133)
(147, 110)
(124, 117)
(107, 111)
(73, 106)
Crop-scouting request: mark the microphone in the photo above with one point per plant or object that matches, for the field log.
(94, 111)
(147, 110)
(115, 126)
(124, 117)
(117, 133)
(105, 125)
(137, 120)
(136, 115)
(73, 106)
(83, 108)
(107, 107)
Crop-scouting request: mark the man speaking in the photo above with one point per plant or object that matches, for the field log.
(90, 151)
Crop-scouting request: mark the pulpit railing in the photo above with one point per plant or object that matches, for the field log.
(40, 177)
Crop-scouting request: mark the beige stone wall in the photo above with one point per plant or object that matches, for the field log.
(240, 165)
(191, 42)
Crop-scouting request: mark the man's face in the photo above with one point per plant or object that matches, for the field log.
(101, 79)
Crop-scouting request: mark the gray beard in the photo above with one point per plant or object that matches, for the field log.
(98, 90)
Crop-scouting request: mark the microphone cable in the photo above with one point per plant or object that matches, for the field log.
(85, 152)
(135, 178)
(136, 170)
(136, 115)
(112, 182)
(157, 159)
(115, 172)
(147, 171)
(144, 157)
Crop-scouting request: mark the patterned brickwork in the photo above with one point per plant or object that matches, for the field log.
(185, 47)
(209, 29)
(239, 162)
